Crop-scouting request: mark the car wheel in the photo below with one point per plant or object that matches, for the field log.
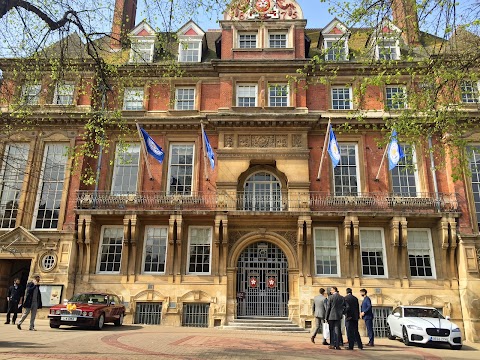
(54, 326)
(406, 339)
(389, 333)
(119, 322)
(100, 322)
(455, 347)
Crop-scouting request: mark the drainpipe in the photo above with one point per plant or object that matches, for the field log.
(434, 174)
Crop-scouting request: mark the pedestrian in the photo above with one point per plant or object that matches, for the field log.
(334, 314)
(14, 299)
(352, 314)
(319, 309)
(367, 316)
(33, 302)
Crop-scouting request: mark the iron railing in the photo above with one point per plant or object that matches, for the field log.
(264, 202)
(195, 314)
(148, 313)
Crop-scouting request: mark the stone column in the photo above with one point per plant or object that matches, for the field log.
(178, 253)
(125, 247)
(216, 246)
(405, 267)
(89, 224)
(171, 246)
(356, 250)
(347, 241)
(224, 245)
(134, 226)
(81, 245)
(300, 243)
(308, 239)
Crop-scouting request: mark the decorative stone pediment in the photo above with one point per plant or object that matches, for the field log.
(18, 240)
(196, 295)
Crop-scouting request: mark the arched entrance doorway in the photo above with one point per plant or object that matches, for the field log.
(262, 281)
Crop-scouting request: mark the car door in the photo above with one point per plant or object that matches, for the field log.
(396, 322)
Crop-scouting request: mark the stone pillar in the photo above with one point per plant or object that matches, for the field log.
(134, 226)
(308, 239)
(347, 240)
(178, 253)
(224, 245)
(125, 247)
(300, 243)
(405, 264)
(171, 246)
(356, 250)
(216, 246)
(89, 224)
(81, 245)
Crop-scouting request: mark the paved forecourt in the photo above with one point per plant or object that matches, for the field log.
(161, 342)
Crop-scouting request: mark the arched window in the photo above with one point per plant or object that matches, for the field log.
(262, 192)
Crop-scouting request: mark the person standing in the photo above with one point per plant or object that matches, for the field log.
(352, 314)
(33, 302)
(319, 309)
(367, 316)
(15, 300)
(334, 314)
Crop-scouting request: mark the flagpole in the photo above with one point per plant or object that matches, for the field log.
(325, 145)
(205, 157)
(381, 163)
(145, 154)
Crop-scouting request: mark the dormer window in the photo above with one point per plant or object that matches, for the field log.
(141, 51)
(190, 43)
(387, 49)
(335, 41)
(189, 51)
(142, 43)
(335, 50)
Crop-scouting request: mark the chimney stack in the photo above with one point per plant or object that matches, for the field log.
(123, 21)
(406, 18)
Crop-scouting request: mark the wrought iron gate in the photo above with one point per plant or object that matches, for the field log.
(148, 313)
(262, 281)
(380, 314)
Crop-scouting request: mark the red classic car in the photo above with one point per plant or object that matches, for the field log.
(88, 310)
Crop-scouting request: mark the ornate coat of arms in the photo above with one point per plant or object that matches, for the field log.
(263, 6)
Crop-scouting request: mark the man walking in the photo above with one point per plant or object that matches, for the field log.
(367, 316)
(33, 302)
(334, 314)
(352, 314)
(319, 309)
(15, 300)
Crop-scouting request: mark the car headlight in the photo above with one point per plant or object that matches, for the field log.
(52, 311)
(414, 327)
(84, 313)
(90, 313)
(58, 312)
(456, 330)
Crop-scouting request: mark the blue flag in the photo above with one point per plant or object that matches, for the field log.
(152, 147)
(208, 147)
(333, 149)
(395, 152)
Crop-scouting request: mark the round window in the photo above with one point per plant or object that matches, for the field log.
(48, 262)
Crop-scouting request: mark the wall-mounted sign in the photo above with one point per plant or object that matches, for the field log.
(51, 294)
(253, 281)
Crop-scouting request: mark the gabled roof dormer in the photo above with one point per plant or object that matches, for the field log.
(191, 42)
(142, 43)
(334, 41)
(385, 41)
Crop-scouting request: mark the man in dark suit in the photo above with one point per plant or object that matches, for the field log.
(367, 316)
(334, 314)
(15, 299)
(352, 314)
(319, 308)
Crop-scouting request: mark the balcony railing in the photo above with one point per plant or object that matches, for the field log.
(275, 202)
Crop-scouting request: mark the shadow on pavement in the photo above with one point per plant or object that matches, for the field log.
(20, 345)
(106, 327)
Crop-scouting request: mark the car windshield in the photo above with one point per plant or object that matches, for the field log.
(90, 298)
(423, 312)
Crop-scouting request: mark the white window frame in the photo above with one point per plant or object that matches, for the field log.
(245, 85)
(274, 85)
(100, 246)
(40, 185)
(60, 93)
(141, 51)
(414, 164)
(183, 48)
(170, 153)
(10, 183)
(397, 107)
(131, 95)
(275, 33)
(335, 40)
(339, 270)
(384, 255)
(475, 147)
(357, 168)
(379, 40)
(350, 94)
(145, 251)
(188, 252)
(246, 33)
(177, 102)
(431, 253)
(31, 91)
(474, 95)
(117, 165)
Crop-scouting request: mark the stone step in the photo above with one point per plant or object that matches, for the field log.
(271, 328)
(264, 324)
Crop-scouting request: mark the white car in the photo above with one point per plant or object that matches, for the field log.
(422, 325)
